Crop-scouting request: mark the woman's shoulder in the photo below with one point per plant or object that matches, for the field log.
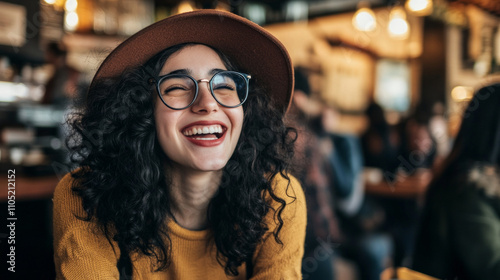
(66, 181)
(66, 202)
(288, 188)
(63, 188)
(286, 185)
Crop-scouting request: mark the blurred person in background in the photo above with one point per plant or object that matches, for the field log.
(413, 175)
(330, 167)
(312, 169)
(459, 234)
(62, 92)
(62, 87)
(380, 142)
(402, 158)
(360, 218)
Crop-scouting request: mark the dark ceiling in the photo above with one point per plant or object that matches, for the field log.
(324, 6)
(316, 7)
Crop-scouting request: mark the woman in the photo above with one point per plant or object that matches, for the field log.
(459, 236)
(183, 159)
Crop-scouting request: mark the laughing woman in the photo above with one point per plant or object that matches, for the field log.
(183, 159)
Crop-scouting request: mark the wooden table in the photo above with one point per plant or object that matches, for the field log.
(29, 187)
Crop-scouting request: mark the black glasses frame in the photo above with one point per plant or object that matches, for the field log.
(246, 77)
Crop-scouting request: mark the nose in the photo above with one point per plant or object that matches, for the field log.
(205, 102)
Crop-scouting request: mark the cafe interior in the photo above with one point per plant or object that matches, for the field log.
(404, 55)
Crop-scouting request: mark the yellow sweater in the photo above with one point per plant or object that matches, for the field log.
(82, 254)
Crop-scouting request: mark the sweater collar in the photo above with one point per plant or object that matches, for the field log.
(184, 233)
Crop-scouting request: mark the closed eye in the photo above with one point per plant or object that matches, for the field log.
(176, 90)
(224, 86)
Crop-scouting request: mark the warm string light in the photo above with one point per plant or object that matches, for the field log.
(70, 17)
(70, 14)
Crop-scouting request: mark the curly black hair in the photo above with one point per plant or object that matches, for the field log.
(123, 182)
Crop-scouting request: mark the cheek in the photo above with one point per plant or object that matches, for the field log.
(237, 118)
(165, 126)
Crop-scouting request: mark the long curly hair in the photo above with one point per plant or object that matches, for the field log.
(123, 178)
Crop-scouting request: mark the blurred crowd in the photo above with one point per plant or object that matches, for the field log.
(395, 196)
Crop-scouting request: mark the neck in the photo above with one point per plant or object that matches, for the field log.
(191, 192)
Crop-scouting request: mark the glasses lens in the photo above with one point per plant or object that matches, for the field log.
(177, 91)
(229, 88)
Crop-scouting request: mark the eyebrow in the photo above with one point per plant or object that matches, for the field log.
(186, 71)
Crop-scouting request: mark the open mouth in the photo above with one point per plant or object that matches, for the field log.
(204, 132)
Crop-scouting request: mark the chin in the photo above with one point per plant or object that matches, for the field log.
(211, 165)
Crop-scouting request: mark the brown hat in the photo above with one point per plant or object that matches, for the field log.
(253, 48)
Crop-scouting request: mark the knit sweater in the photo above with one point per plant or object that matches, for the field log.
(82, 252)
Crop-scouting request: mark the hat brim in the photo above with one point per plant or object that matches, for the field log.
(251, 46)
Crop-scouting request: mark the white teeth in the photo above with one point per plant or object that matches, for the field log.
(200, 138)
(203, 130)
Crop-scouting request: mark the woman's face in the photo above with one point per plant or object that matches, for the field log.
(208, 151)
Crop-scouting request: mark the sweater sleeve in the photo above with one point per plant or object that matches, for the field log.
(80, 251)
(476, 231)
(275, 261)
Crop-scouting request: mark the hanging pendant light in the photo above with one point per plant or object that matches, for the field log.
(364, 18)
(419, 7)
(398, 26)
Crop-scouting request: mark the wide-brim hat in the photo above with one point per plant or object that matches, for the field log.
(253, 48)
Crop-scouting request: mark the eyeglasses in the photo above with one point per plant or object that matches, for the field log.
(179, 91)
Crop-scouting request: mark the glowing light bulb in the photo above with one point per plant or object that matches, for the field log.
(364, 20)
(185, 7)
(398, 27)
(461, 93)
(50, 2)
(71, 21)
(70, 5)
(420, 7)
